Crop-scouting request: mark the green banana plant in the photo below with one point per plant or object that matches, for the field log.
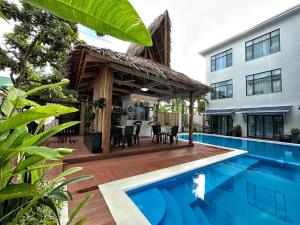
(24, 162)
(113, 17)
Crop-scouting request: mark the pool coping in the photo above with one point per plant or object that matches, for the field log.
(124, 211)
(240, 138)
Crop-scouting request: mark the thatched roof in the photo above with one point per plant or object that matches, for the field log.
(153, 70)
(160, 31)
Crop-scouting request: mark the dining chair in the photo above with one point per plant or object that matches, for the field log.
(136, 136)
(172, 134)
(128, 135)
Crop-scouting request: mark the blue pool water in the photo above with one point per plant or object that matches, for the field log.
(269, 150)
(253, 189)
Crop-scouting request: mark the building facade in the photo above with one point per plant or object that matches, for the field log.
(256, 79)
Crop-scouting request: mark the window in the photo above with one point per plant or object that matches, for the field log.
(264, 83)
(222, 90)
(264, 45)
(221, 60)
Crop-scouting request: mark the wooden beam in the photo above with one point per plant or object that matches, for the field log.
(149, 86)
(88, 75)
(149, 77)
(191, 118)
(83, 84)
(156, 45)
(150, 53)
(166, 49)
(121, 90)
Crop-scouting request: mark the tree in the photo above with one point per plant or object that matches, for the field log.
(39, 39)
(202, 102)
(58, 93)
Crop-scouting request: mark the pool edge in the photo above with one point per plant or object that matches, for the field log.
(124, 211)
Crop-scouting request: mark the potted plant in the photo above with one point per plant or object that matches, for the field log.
(93, 139)
(294, 135)
(237, 131)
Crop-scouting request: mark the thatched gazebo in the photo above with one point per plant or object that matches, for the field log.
(104, 73)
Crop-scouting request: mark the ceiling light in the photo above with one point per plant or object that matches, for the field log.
(144, 89)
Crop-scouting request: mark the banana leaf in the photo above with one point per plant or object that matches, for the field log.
(113, 17)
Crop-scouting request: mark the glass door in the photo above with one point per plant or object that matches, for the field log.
(251, 126)
(268, 126)
(224, 125)
(278, 126)
(259, 127)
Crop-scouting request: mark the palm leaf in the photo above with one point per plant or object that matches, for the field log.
(12, 191)
(39, 113)
(113, 17)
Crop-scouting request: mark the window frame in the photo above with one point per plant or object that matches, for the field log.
(271, 75)
(269, 38)
(216, 57)
(226, 85)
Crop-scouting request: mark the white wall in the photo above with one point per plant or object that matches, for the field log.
(288, 59)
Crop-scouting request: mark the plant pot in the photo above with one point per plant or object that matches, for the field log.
(93, 141)
(294, 138)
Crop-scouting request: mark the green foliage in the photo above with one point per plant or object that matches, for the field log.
(59, 93)
(113, 17)
(23, 162)
(38, 39)
(89, 117)
(162, 108)
(40, 213)
(202, 102)
(295, 130)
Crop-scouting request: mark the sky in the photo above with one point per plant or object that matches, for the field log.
(196, 25)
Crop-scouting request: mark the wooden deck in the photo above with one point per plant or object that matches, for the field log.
(107, 170)
(82, 154)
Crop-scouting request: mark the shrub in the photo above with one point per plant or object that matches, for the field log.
(295, 131)
(23, 160)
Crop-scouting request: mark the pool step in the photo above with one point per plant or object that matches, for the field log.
(201, 216)
(183, 197)
(152, 204)
(173, 215)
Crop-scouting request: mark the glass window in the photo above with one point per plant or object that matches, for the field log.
(263, 45)
(264, 83)
(221, 60)
(222, 90)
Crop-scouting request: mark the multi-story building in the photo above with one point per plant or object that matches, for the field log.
(256, 79)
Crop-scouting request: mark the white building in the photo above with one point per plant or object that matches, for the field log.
(256, 77)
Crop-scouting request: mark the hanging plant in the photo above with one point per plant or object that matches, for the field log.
(99, 103)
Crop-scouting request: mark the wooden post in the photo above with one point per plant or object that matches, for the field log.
(156, 111)
(103, 89)
(82, 112)
(191, 118)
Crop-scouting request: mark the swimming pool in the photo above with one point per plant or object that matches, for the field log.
(259, 188)
(281, 152)
(242, 191)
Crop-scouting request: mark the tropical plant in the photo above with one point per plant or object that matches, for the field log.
(113, 17)
(38, 39)
(202, 102)
(295, 130)
(24, 162)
